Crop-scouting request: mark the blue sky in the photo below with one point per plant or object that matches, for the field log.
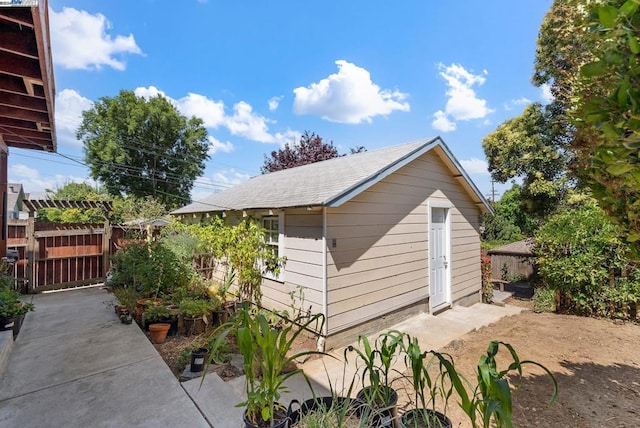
(358, 73)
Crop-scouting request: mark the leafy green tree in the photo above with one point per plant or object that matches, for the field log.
(132, 208)
(74, 192)
(608, 116)
(527, 147)
(141, 147)
(510, 222)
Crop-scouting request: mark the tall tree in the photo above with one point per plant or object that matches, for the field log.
(143, 147)
(74, 192)
(528, 147)
(607, 113)
(310, 149)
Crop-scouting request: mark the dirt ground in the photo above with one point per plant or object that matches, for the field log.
(596, 363)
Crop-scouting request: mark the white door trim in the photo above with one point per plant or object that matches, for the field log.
(432, 203)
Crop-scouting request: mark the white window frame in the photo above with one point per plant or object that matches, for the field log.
(280, 217)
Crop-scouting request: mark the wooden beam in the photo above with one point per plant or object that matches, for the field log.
(12, 84)
(24, 101)
(21, 16)
(17, 123)
(21, 43)
(28, 134)
(22, 114)
(16, 65)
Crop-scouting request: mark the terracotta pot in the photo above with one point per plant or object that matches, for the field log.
(159, 332)
(142, 302)
(194, 326)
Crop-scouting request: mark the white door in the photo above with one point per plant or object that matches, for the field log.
(438, 263)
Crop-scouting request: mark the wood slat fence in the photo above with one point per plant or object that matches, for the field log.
(55, 256)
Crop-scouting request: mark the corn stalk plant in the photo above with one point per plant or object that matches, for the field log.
(489, 401)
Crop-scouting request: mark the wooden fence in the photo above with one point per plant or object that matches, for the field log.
(54, 256)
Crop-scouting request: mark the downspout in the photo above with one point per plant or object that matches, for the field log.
(325, 329)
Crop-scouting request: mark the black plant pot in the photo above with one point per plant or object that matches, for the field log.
(425, 418)
(13, 323)
(198, 359)
(356, 407)
(283, 418)
(383, 413)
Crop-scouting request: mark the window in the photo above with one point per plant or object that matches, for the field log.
(273, 226)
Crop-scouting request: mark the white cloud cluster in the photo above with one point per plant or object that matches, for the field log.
(80, 41)
(475, 166)
(216, 146)
(69, 107)
(274, 103)
(463, 103)
(243, 122)
(32, 180)
(348, 96)
(230, 177)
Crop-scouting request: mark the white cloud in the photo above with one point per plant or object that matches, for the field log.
(216, 146)
(211, 112)
(442, 123)
(246, 123)
(69, 107)
(80, 41)
(274, 102)
(33, 182)
(508, 106)
(151, 92)
(463, 103)
(289, 136)
(230, 177)
(475, 166)
(348, 96)
(545, 93)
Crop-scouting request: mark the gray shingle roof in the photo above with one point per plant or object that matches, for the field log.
(326, 183)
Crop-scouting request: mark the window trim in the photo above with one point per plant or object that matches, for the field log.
(280, 217)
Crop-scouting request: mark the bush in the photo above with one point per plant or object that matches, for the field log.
(544, 300)
(580, 255)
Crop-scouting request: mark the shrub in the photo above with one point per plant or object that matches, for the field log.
(544, 300)
(487, 286)
(580, 255)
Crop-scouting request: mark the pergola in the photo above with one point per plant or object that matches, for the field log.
(27, 88)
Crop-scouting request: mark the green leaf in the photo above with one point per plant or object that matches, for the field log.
(594, 69)
(629, 8)
(619, 168)
(633, 237)
(607, 16)
(634, 46)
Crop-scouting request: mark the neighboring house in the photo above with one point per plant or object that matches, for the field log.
(15, 196)
(393, 230)
(514, 261)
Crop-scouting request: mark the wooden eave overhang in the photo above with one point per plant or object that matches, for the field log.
(27, 88)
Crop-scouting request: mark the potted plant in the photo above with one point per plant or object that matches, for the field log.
(158, 332)
(12, 309)
(195, 313)
(377, 360)
(490, 398)
(267, 353)
(155, 314)
(332, 411)
(425, 388)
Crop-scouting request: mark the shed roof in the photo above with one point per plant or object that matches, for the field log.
(330, 183)
(519, 248)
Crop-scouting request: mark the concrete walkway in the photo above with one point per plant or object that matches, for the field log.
(75, 365)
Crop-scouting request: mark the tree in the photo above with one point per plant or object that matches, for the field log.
(141, 147)
(609, 115)
(74, 192)
(309, 149)
(510, 222)
(528, 147)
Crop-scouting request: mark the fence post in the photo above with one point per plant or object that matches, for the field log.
(106, 248)
(30, 269)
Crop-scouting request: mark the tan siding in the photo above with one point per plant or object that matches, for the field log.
(303, 268)
(380, 260)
